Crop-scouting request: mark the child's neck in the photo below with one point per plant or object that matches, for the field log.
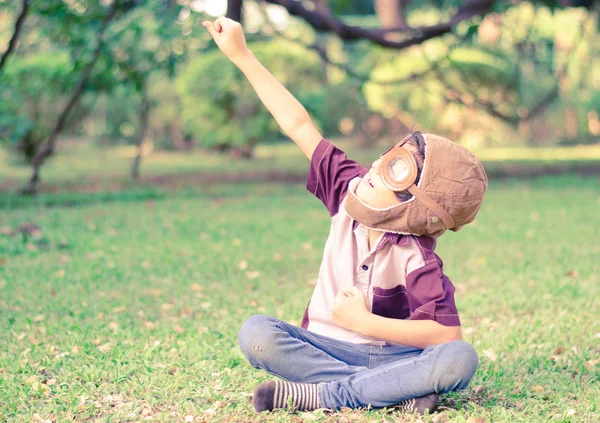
(373, 238)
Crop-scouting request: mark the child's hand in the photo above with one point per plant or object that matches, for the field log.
(229, 36)
(349, 309)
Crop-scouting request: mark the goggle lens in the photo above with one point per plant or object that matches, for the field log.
(398, 170)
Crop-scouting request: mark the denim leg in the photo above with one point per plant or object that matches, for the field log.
(297, 355)
(438, 368)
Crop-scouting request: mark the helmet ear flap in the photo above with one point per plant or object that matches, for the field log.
(398, 182)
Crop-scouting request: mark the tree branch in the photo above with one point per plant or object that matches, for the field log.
(344, 67)
(325, 23)
(13, 40)
(521, 117)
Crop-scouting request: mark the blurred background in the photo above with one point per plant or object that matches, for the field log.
(105, 92)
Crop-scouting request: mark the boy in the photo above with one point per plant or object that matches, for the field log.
(381, 328)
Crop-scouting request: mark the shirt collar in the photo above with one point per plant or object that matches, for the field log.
(392, 238)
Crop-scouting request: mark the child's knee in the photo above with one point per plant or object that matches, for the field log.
(458, 365)
(255, 334)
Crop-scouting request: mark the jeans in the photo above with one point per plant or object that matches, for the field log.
(355, 375)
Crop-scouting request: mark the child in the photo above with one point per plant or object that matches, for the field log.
(381, 328)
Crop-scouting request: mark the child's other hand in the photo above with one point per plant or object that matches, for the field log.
(229, 36)
(349, 309)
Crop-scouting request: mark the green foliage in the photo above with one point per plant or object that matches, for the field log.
(221, 109)
(33, 90)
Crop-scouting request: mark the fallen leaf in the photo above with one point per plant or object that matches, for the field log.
(476, 420)
(237, 242)
(40, 388)
(196, 287)
(570, 411)
(173, 370)
(243, 265)
(178, 329)
(252, 274)
(75, 349)
(114, 326)
(559, 350)
(154, 292)
(30, 228)
(31, 379)
(312, 282)
(490, 354)
(440, 418)
(104, 348)
(119, 309)
(39, 317)
(189, 418)
(149, 325)
(166, 307)
(307, 246)
(277, 257)
(538, 388)
(308, 416)
(573, 273)
(479, 389)
(591, 363)
(51, 382)
(145, 264)
(6, 231)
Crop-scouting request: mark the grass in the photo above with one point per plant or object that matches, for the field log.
(83, 166)
(128, 310)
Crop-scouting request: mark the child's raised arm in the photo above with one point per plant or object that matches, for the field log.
(291, 116)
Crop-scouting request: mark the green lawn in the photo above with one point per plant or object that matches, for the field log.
(129, 309)
(84, 166)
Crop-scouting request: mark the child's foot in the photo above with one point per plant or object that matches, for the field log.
(419, 404)
(274, 394)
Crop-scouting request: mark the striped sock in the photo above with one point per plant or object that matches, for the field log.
(281, 394)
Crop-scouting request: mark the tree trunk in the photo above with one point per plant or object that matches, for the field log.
(48, 148)
(234, 10)
(13, 40)
(175, 135)
(144, 112)
(391, 14)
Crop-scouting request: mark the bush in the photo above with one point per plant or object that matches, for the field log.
(220, 108)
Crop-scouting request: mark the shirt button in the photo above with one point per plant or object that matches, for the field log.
(365, 267)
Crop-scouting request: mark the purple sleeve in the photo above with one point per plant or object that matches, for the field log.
(431, 295)
(329, 175)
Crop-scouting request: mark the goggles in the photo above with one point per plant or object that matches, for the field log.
(399, 172)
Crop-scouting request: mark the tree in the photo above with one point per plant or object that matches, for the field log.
(15, 36)
(462, 19)
(47, 149)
